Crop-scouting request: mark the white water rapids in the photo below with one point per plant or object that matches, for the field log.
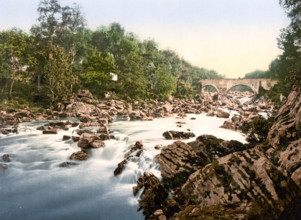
(35, 187)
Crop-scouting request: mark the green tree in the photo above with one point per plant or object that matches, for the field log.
(166, 82)
(54, 66)
(63, 26)
(13, 56)
(96, 72)
(257, 74)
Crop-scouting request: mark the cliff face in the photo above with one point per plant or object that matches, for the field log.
(287, 126)
(226, 182)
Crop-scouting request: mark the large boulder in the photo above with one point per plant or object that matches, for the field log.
(88, 140)
(153, 195)
(246, 180)
(287, 124)
(177, 161)
(80, 155)
(222, 114)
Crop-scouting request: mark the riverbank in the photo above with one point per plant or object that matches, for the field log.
(93, 136)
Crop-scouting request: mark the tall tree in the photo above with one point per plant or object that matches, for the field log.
(13, 56)
(63, 26)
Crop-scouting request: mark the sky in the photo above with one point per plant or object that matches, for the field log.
(233, 37)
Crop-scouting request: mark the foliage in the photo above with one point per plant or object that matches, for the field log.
(165, 84)
(96, 72)
(54, 65)
(257, 74)
(259, 129)
(13, 57)
(61, 55)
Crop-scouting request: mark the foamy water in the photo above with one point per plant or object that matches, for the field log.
(35, 187)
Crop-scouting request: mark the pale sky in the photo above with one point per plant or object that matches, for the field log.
(233, 37)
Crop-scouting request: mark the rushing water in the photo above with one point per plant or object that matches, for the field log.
(35, 187)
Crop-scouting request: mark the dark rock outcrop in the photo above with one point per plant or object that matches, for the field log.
(177, 161)
(153, 195)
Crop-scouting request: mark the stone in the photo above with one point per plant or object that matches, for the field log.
(88, 140)
(75, 138)
(67, 164)
(80, 155)
(177, 161)
(41, 128)
(120, 167)
(177, 135)
(51, 131)
(66, 137)
(153, 195)
(222, 114)
(6, 158)
(3, 166)
(210, 113)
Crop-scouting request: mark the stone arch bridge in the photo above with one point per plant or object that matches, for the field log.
(224, 85)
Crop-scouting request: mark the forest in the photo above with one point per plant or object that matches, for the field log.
(61, 55)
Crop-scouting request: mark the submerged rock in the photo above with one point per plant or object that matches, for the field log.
(67, 164)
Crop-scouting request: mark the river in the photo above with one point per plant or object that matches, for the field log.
(35, 187)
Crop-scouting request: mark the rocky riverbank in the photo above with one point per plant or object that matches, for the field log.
(227, 177)
(214, 179)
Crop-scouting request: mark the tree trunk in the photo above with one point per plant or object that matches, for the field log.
(39, 82)
(73, 53)
(11, 88)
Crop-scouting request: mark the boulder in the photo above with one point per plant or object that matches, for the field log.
(177, 161)
(153, 195)
(245, 180)
(80, 155)
(6, 158)
(88, 140)
(210, 113)
(222, 114)
(120, 167)
(66, 137)
(51, 131)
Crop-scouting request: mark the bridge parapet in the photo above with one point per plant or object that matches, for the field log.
(226, 84)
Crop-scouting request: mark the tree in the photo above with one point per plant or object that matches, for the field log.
(63, 26)
(13, 47)
(257, 74)
(166, 82)
(96, 72)
(54, 65)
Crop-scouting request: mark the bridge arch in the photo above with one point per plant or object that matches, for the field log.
(248, 86)
(212, 85)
